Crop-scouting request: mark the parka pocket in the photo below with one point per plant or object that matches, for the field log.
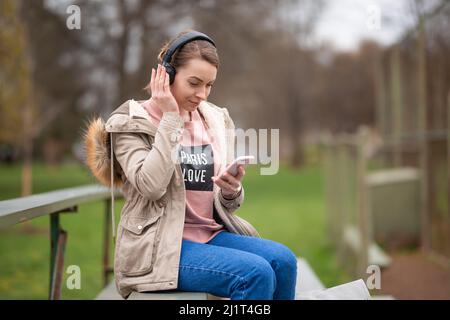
(138, 245)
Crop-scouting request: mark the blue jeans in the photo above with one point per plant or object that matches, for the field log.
(238, 267)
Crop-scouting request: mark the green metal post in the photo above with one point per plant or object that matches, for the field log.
(54, 233)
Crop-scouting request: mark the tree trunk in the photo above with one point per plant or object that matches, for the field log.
(27, 151)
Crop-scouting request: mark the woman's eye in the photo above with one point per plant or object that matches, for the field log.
(193, 84)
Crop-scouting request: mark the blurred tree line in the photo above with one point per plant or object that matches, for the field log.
(272, 75)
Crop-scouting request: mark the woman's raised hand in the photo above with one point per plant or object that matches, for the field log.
(161, 95)
(228, 183)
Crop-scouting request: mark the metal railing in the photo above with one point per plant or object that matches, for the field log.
(54, 203)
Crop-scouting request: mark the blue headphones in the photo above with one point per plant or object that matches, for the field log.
(178, 43)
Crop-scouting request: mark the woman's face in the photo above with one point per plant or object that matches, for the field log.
(193, 83)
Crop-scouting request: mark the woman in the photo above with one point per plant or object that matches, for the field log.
(178, 229)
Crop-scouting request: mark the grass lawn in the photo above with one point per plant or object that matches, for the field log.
(287, 207)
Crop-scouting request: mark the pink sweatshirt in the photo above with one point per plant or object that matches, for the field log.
(198, 165)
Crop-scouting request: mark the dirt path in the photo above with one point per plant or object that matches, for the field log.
(414, 276)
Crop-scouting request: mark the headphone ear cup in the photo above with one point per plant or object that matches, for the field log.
(171, 71)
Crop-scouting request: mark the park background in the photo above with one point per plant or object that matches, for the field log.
(355, 87)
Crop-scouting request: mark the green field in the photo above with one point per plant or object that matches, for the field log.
(287, 207)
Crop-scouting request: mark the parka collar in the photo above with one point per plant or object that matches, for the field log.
(130, 117)
(136, 110)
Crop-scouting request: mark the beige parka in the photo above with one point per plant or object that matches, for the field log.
(150, 230)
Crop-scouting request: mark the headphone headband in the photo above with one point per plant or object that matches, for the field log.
(182, 40)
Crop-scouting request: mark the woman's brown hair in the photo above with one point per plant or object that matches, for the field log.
(195, 49)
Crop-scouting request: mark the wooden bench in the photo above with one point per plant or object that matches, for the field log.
(307, 280)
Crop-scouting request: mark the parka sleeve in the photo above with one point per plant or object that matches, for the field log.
(150, 168)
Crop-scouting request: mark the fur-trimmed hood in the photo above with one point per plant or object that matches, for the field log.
(97, 146)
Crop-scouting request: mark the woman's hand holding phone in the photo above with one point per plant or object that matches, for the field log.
(230, 185)
(230, 180)
(161, 95)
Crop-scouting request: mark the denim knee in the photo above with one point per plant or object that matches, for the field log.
(288, 260)
(285, 266)
(260, 281)
(285, 260)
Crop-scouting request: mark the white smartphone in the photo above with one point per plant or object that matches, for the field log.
(233, 167)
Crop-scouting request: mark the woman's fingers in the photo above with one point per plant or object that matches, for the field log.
(166, 81)
(241, 173)
(159, 83)
(155, 81)
(159, 80)
(152, 81)
(233, 181)
(224, 185)
(161, 94)
(163, 77)
(228, 181)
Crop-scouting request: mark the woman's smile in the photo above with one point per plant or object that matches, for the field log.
(193, 103)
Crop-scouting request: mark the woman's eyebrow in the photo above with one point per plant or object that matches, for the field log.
(200, 79)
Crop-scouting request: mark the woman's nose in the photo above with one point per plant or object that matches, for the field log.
(202, 94)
